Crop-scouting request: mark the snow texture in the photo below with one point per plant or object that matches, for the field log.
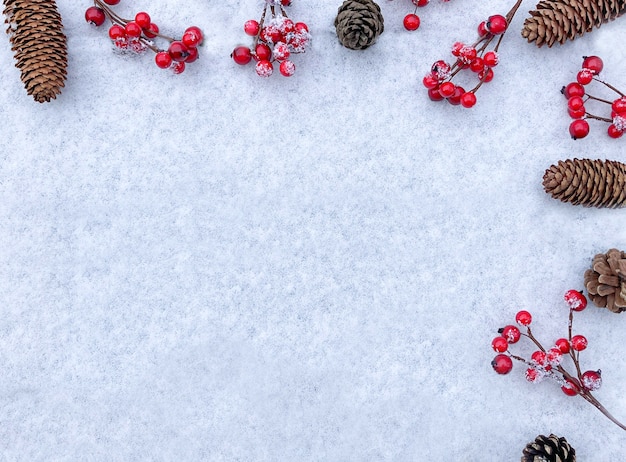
(215, 266)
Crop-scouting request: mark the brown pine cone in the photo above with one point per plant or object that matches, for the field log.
(36, 34)
(560, 20)
(359, 23)
(549, 449)
(606, 280)
(591, 183)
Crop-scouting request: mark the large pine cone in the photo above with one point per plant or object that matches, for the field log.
(359, 23)
(36, 33)
(549, 449)
(587, 182)
(560, 20)
(606, 280)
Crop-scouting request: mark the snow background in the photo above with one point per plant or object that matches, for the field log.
(215, 266)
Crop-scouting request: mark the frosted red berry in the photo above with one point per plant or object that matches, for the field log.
(575, 299)
(570, 388)
(591, 380)
(241, 55)
(523, 318)
(499, 344)
(584, 76)
(502, 364)
(579, 342)
(178, 67)
(579, 129)
(533, 375)
(95, 16)
(198, 33)
(614, 132)
(593, 63)
(411, 22)
(251, 27)
(619, 105)
(491, 59)
(430, 81)
(511, 333)
(482, 29)
(554, 356)
(539, 357)
(264, 68)
(563, 345)
(116, 32)
(287, 68)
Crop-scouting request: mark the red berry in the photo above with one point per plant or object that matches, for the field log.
(241, 55)
(281, 51)
(264, 68)
(446, 89)
(196, 30)
(190, 39)
(619, 105)
(575, 300)
(287, 68)
(578, 114)
(486, 75)
(468, 99)
(579, 342)
(178, 51)
(499, 344)
(540, 358)
(593, 63)
(575, 103)
(511, 333)
(193, 55)
(95, 16)
(491, 59)
(285, 2)
(251, 27)
(554, 356)
(563, 345)
(111, 2)
(523, 318)
(116, 32)
(456, 48)
(496, 24)
(467, 54)
(440, 70)
(151, 31)
(143, 19)
(482, 29)
(262, 52)
(301, 27)
(584, 76)
(287, 26)
(430, 81)
(570, 388)
(455, 99)
(573, 89)
(163, 59)
(411, 22)
(592, 380)
(477, 65)
(502, 364)
(614, 132)
(179, 67)
(420, 3)
(579, 128)
(533, 375)
(132, 29)
(434, 95)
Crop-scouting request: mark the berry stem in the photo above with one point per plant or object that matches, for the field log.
(595, 117)
(590, 398)
(598, 99)
(609, 86)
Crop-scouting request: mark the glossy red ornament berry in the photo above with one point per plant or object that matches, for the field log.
(151, 31)
(619, 105)
(579, 342)
(593, 63)
(584, 76)
(468, 99)
(563, 345)
(264, 68)
(482, 29)
(116, 32)
(455, 99)
(420, 3)
(178, 51)
(591, 380)
(143, 19)
(190, 39)
(241, 55)
(197, 31)
(430, 81)
(499, 344)
(579, 128)
(287, 68)
(540, 358)
(434, 95)
(577, 114)
(446, 89)
(614, 132)
(411, 22)
(496, 24)
(251, 27)
(491, 59)
(262, 52)
(486, 75)
(502, 364)
(510, 333)
(477, 65)
(570, 388)
(163, 59)
(178, 68)
(575, 300)
(192, 56)
(95, 16)
(573, 89)
(575, 103)
(111, 2)
(301, 27)
(523, 318)
(132, 29)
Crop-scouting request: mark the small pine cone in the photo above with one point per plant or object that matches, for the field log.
(560, 20)
(591, 183)
(549, 449)
(606, 280)
(36, 34)
(359, 23)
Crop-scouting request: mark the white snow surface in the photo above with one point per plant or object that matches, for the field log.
(219, 267)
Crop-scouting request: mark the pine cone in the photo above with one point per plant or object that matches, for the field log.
(606, 280)
(591, 183)
(549, 449)
(560, 20)
(36, 33)
(359, 23)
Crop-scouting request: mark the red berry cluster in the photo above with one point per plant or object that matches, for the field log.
(577, 98)
(475, 57)
(136, 35)
(275, 40)
(548, 363)
(412, 20)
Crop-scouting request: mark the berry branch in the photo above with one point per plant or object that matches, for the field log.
(475, 57)
(136, 35)
(274, 40)
(577, 97)
(548, 363)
